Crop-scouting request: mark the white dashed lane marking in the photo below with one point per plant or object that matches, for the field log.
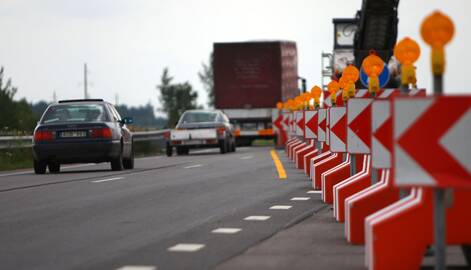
(314, 191)
(300, 198)
(247, 157)
(280, 207)
(107, 180)
(226, 230)
(137, 267)
(193, 166)
(186, 247)
(257, 218)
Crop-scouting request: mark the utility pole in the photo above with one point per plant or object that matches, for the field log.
(54, 96)
(116, 99)
(85, 81)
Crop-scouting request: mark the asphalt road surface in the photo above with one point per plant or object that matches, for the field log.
(88, 217)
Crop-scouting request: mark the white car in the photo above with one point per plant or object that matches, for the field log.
(202, 129)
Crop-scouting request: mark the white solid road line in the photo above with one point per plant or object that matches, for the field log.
(107, 180)
(280, 207)
(137, 267)
(300, 198)
(186, 247)
(226, 230)
(193, 166)
(247, 157)
(314, 191)
(257, 218)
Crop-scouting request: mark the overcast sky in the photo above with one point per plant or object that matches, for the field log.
(127, 43)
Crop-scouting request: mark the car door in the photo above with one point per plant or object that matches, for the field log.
(124, 131)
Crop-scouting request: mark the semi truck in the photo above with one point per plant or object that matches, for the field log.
(249, 79)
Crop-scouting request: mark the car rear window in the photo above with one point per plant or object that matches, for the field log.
(198, 117)
(75, 113)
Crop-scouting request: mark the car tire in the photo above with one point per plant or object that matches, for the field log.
(39, 167)
(54, 167)
(128, 163)
(117, 163)
(223, 147)
(169, 150)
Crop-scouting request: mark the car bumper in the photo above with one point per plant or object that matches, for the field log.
(77, 152)
(196, 143)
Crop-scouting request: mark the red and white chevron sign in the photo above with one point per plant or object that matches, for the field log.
(327, 101)
(278, 126)
(292, 123)
(285, 121)
(431, 141)
(381, 140)
(299, 123)
(381, 127)
(338, 129)
(321, 118)
(327, 128)
(339, 100)
(359, 125)
(277, 119)
(310, 124)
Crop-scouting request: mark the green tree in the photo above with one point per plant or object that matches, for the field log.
(175, 98)
(206, 76)
(16, 115)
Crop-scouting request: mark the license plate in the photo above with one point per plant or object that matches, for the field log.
(73, 134)
(193, 142)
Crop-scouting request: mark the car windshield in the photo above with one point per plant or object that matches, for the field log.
(198, 117)
(65, 113)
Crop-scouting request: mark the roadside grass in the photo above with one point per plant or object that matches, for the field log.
(15, 158)
(22, 158)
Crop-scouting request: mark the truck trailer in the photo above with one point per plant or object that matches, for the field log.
(249, 79)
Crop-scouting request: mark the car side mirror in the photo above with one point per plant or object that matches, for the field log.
(127, 121)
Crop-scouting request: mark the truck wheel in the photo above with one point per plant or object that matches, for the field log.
(182, 150)
(467, 253)
(54, 167)
(128, 163)
(233, 147)
(39, 167)
(169, 150)
(223, 146)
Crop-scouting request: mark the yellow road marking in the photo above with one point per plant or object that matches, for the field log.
(278, 165)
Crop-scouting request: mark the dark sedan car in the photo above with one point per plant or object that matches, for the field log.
(82, 131)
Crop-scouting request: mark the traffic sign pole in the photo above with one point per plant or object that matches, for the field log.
(439, 207)
(437, 30)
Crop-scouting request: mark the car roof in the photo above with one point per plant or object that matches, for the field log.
(203, 111)
(80, 101)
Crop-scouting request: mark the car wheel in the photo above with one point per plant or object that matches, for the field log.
(223, 146)
(169, 150)
(54, 167)
(117, 163)
(39, 167)
(128, 163)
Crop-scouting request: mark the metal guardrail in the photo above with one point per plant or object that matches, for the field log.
(26, 141)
